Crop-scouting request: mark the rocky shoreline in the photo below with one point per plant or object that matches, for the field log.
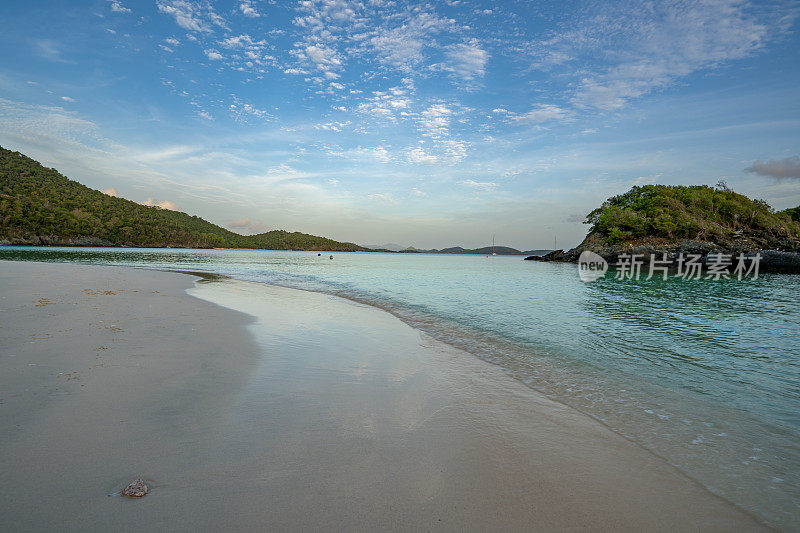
(55, 240)
(670, 253)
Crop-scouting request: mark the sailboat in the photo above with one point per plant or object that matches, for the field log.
(493, 252)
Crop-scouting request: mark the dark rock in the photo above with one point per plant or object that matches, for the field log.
(555, 255)
(136, 489)
(770, 260)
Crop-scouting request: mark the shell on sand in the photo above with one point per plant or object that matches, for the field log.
(136, 489)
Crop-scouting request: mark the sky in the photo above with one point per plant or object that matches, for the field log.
(426, 124)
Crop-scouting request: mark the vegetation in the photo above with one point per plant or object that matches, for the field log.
(702, 213)
(794, 213)
(39, 205)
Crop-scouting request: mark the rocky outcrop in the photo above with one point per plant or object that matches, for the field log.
(136, 489)
(671, 251)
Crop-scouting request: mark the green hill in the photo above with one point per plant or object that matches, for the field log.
(38, 205)
(794, 213)
(659, 214)
(672, 221)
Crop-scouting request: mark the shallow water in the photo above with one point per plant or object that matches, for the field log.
(703, 373)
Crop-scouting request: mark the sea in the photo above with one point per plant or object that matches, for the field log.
(704, 373)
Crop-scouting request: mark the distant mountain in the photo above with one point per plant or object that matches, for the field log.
(389, 246)
(40, 206)
(486, 250)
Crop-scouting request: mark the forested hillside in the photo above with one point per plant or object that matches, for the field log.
(38, 205)
(699, 212)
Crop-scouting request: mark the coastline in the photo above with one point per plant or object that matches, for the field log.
(322, 413)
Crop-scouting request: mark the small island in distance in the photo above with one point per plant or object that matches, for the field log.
(486, 250)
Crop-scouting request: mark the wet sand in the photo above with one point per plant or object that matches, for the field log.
(289, 410)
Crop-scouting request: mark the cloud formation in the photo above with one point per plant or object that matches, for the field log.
(191, 15)
(260, 105)
(650, 46)
(161, 204)
(248, 9)
(479, 185)
(467, 60)
(780, 169)
(247, 226)
(117, 7)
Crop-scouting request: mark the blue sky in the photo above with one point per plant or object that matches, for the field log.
(425, 124)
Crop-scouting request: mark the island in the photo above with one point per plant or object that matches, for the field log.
(674, 220)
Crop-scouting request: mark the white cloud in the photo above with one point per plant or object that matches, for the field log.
(384, 198)
(466, 60)
(376, 153)
(161, 204)
(454, 151)
(284, 172)
(435, 120)
(322, 14)
(649, 46)
(248, 226)
(646, 180)
(111, 192)
(543, 113)
(479, 185)
(52, 127)
(403, 46)
(385, 104)
(333, 126)
(192, 15)
(50, 50)
(247, 9)
(67, 99)
(213, 55)
(243, 41)
(244, 112)
(442, 152)
(398, 49)
(419, 156)
(323, 57)
(117, 7)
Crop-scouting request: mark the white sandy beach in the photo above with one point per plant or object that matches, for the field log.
(251, 407)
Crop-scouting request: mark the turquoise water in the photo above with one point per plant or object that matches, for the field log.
(704, 373)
